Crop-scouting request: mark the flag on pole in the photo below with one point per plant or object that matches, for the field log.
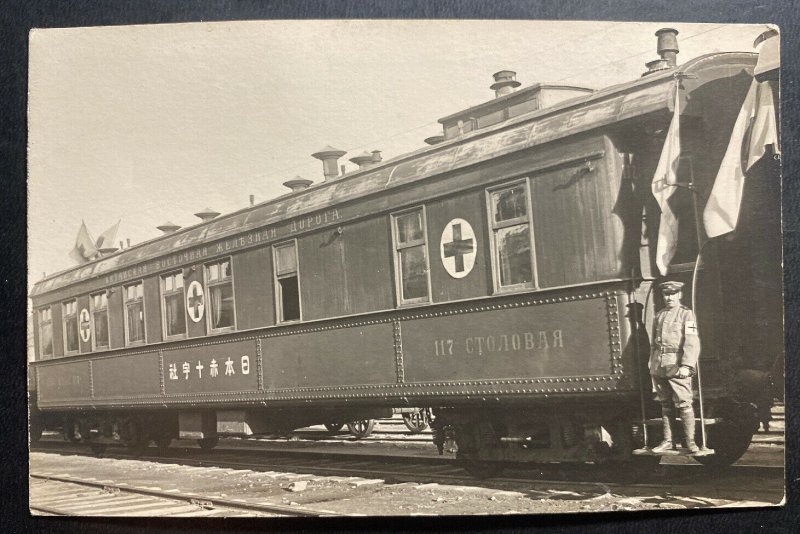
(84, 249)
(663, 186)
(106, 240)
(755, 128)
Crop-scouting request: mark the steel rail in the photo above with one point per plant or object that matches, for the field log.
(200, 500)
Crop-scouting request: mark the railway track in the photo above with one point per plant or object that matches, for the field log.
(68, 496)
(393, 467)
(313, 455)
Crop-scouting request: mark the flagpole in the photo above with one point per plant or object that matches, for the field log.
(697, 367)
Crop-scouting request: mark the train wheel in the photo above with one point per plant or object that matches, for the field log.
(361, 429)
(163, 443)
(334, 428)
(136, 439)
(208, 443)
(417, 421)
(71, 430)
(729, 442)
(482, 469)
(98, 448)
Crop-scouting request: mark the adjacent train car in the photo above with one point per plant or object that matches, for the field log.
(501, 277)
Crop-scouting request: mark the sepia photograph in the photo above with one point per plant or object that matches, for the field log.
(322, 268)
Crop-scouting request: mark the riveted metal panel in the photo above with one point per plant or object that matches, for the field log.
(63, 382)
(211, 368)
(559, 337)
(339, 356)
(126, 376)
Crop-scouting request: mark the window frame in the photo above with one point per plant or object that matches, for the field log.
(494, 227)
(125, 301)
(64, 317)
(39, 324)
(209, 309)
(397, 247)
(92, 310)
(278, 289)
(163, 293)
(687, 158)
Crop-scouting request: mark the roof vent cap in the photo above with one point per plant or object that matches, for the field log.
(329, 157)
(207, 214)
(298, 183)
(168, 227)
(505, 81)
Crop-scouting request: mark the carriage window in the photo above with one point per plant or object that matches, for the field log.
(511, 237)
(45, 333)
(219, 281)
(287, 286)
(173, 310)
(134, 314)
(70, 316)
(100, 320)
(411, 256)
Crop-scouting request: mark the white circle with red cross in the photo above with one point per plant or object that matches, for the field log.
(85, 326)
(195, 301)
(457, 248)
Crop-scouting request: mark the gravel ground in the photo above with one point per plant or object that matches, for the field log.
(356, 495)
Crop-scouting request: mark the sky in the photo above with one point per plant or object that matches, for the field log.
(149, 124)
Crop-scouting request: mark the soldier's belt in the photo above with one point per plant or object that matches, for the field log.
(668, 350)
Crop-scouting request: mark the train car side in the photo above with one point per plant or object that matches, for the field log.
(502, 279)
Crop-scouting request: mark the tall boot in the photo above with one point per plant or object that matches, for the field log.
(666, 422)
(687, 418)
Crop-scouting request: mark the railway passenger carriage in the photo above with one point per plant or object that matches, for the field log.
(501, 276)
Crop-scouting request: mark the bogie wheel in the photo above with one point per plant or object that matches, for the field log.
(208, 443)
(416, 421)
(334, 428)
(136, 439)
(71, 431)
(482, 469)
(361, 429)
(729, 442)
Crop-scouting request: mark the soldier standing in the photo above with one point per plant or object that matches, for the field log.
(673, 362)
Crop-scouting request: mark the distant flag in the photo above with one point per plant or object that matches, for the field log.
(663, 186)
(105, 243)
(755, 128)
(84, 249)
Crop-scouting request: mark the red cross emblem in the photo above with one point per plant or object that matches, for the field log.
(85, 325)
(195, 302)
(458, 246)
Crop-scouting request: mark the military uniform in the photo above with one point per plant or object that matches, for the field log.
(675, 345)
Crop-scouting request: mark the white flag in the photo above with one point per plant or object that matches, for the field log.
(754, 129)
(663, 186)
(84, 248)
(106, 239)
